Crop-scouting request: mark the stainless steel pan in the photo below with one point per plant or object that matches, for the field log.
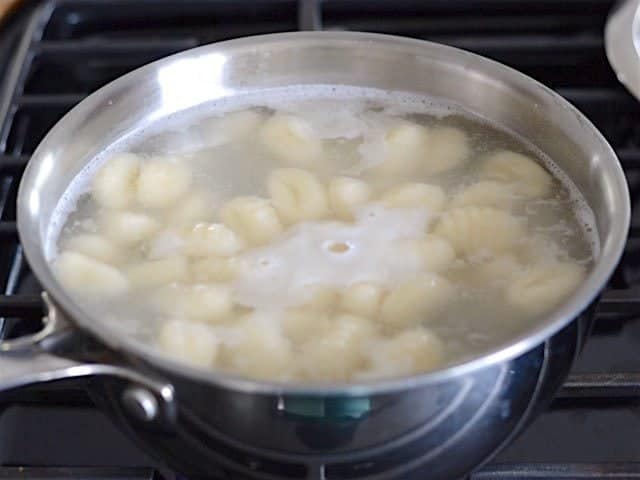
(436, 425)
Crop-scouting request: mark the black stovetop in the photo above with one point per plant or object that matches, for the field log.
(52, 54)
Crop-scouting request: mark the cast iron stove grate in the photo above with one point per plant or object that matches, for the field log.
(68, 48)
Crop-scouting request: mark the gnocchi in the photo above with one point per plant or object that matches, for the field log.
(291, 139)
(259, 352)
(94, 246)
(337, 354)
(542, 286)
(495, 271)
(417, 301)
(416, 195)
(114, 184)
(434, 252)
(485, 193)
(128, 228)
(154, 273)
(196, 207)
(321, 297)
(323, 242)
(88, 276)
(193, 343)
(346, 194)
(216, 269)
(211, 239)
(448, 148)
(403, 148)
(297, 195)
(207, 302)
(525, 175)
(411, 351)
(362, 299)
(476, 230)
(201, 302)
(166, 243)
(161, 183)
(300, 324)
(253, 218)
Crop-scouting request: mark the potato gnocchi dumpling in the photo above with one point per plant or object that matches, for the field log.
(196, 207)
(114, 184)
(477, 230)
(486, 193)
(434, 252)
(259, 353)
(541, 287)
(362, 299)
(210, 239)
(321, 297)
(94, 246)
(154, 273)
(339, 353)
(412, 195)
(347, 194)
(88, 276)
(207, 302)
(412, 351)
(166, 243)
(128, 228)
(526, 176)
(403, 148)
(161, 183)
(496, 270)
(297, 195)
(419, 300)
(253, 218)
(291, 140)
(193, 343)
(301, 324)
(216, 269)
(288, 246)
(448, 148)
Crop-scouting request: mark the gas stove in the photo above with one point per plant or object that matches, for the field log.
(53, 54)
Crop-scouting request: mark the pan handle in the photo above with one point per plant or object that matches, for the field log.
(26, 361)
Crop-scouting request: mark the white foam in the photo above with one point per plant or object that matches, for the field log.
(333, 253)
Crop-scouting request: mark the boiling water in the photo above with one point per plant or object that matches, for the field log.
(199, 308)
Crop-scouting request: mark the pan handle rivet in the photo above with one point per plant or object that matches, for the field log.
(140, 403)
